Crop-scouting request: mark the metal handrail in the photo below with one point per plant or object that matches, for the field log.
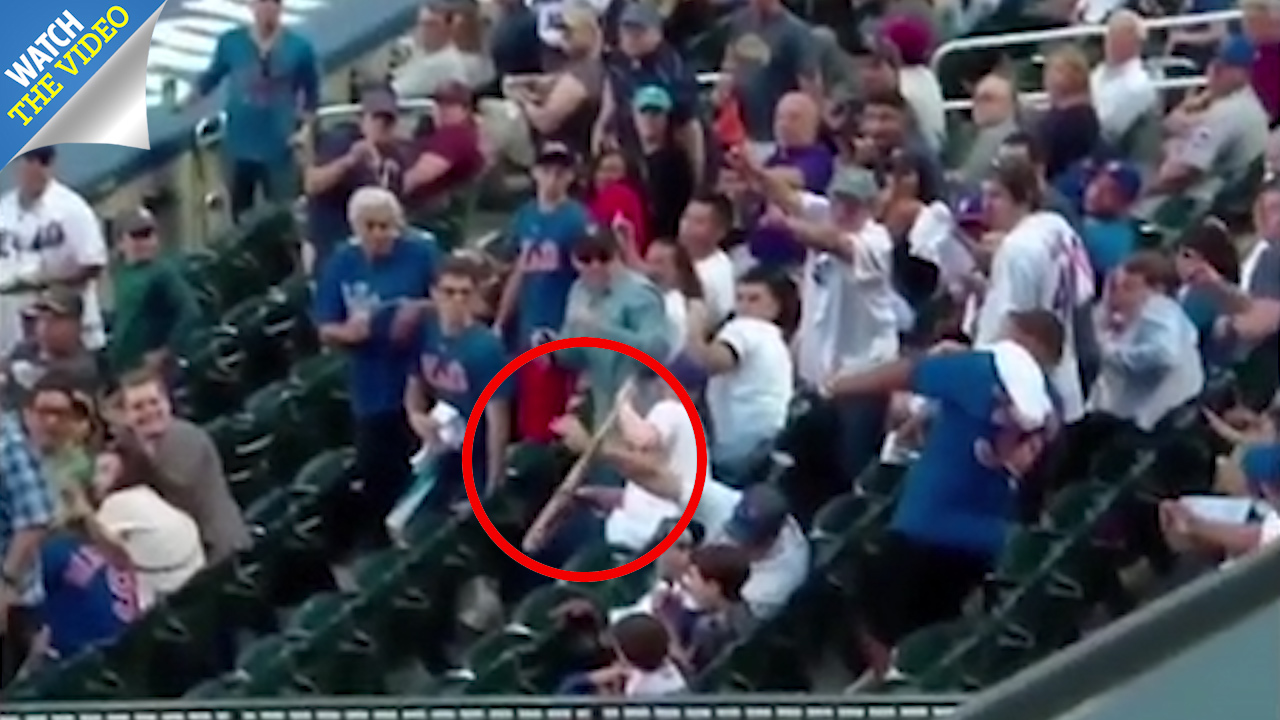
(1038, 99)
(764, 706)
(1072, 32)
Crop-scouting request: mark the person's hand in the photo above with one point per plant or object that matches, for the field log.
(406, 321)
(358, 327)
(572, 433)
(1204, 274)
(1176, 519)
(775, 217)
(362, 151)
(610, 680)
(424, 426)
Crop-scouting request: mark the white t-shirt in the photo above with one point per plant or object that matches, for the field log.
(847, 316)
(1041, 265)
(1121, 94)
(715, 272)
(162, 541)
(666, 680)
(677, 306)
(922, 91)
(775, 576)
(749, 403)
(56, 235)
(632, 524)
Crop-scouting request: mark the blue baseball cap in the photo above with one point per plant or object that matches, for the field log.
(1126, 176)
(759, 515)
(652, 98)
(1237, 51)
(1261, 466)
(969, 209)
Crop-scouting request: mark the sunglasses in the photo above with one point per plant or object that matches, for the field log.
(592, 258)
(142, 233)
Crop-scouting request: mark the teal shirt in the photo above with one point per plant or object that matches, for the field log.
(264, 94)
(629, 311)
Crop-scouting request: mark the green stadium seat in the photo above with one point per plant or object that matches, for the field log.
(267, 666)
(927, 657)
(533, 616)
(270, 237)
(228, 685)
(211, 370)
(244, 446)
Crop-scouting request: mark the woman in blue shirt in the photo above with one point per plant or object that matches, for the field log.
(369, 303)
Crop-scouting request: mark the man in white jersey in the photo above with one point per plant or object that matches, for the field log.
(49, 237)
(1040, 265)
(847, 319)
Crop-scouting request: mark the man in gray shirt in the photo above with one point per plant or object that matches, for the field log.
(191, 476)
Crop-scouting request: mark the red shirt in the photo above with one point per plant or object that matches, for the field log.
(621, 200)
(460, 146)
(1266, 78)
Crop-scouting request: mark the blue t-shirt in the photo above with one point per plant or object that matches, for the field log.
(87, 602)
(954, 495)
(1109, 243)
(352, 282)
(264, 92)
(456, 369)
(1203, 309)
(545, 243)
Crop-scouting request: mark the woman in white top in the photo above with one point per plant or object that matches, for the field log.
(162, 542)
(752, 374)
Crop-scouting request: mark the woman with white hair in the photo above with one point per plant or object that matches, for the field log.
(369, 301)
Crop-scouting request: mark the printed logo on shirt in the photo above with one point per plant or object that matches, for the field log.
(48, 237)
(86, 563)
(444, 374)
(359, 298)
(540, 256)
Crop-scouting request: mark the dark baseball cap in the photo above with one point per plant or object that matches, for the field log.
(61, 302)
(453, 93)
(379, 100)
(556, 153)
(137, 221)
(640, 15)
(759, 515)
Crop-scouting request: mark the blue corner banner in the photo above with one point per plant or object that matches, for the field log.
(57, 54)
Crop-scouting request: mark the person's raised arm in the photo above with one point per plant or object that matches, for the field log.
(566, 96)
(217, 71)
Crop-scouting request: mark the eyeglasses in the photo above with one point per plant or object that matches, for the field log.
(142, 233)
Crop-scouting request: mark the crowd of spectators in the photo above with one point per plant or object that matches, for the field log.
(984, 307)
